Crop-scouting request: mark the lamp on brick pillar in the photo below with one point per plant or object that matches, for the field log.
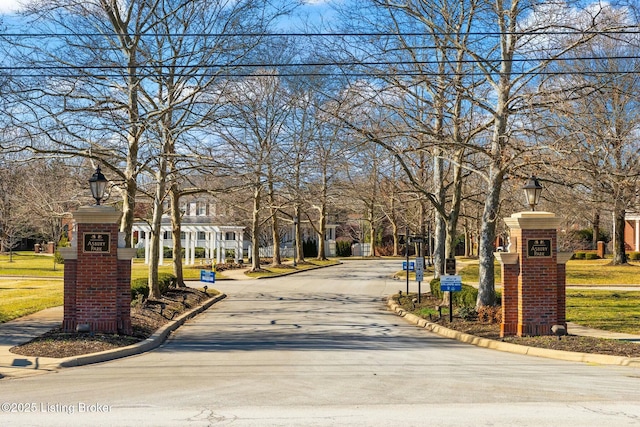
(98, 184)
(532, 190)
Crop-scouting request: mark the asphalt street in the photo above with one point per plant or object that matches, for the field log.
(320, 349)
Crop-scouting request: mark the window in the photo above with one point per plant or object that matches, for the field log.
(230, 235)
(202, 235)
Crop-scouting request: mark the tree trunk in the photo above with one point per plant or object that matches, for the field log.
(255, 230)
(154, 254)
(486, 285)
(275, 237)
(298, 236)
(322, 226)
(619, 250)
(596, 229)
(176, 226)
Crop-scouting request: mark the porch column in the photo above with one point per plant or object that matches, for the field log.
(161, 238)
(147, 246)
(194, 240)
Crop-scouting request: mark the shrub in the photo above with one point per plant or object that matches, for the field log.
(386, 250)
(141, 286)
(57, 258)
(310, 248)
(579, 255)
(633, 256)
(591, 256)
(465, 298)
(490, 314)
(343, 248)
(468, 313)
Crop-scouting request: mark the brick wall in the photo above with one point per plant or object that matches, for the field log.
(533, 294)
(97, 290)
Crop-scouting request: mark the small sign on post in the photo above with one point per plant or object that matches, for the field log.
(450, 283)
(450, 266)
(207, 276)
(412, 266)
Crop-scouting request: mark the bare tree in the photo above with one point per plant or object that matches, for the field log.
(597, 121)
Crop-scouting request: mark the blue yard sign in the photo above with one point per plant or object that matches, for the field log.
(412, 265)
(450, 283)
(207, 276)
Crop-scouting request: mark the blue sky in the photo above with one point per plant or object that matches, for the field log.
(314, 7)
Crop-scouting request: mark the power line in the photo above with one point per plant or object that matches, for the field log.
(332, 74)
(305, 64)
(371, 34)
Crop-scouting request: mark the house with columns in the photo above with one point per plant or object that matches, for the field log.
(200, 228)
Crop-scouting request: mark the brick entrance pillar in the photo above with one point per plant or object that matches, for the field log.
(533, 276)
(97, 274)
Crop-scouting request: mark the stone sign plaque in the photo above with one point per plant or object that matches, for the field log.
(539, 248)
(96, 242)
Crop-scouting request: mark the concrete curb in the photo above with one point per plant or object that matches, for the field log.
(570, 356)
(150, 343)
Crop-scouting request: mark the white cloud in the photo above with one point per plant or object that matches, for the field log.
(313, 2)
(9, 6)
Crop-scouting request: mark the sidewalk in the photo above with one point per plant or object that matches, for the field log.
(26, 328)
(22, 330)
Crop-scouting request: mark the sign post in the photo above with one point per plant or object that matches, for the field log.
(419, 274)
(450, 283)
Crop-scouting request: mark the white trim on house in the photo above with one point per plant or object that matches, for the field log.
(215, 239)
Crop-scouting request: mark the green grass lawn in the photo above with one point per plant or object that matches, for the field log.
(579, 272)
(617, 311)
(28, 264)
(19, 297)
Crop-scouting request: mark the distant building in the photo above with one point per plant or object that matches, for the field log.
(200, 228)
(632, 232)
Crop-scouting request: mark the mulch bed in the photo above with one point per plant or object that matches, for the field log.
(492, 331)
(146, 318)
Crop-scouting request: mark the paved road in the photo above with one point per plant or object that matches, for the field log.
(320, 349)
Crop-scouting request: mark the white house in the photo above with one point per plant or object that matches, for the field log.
(198, 229)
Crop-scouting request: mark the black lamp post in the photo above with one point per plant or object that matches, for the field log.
(532, 190)
(98, 184)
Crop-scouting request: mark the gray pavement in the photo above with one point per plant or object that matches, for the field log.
(26, 328)
(321, 349)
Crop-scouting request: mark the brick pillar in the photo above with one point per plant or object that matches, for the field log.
(601, 249)
(538, 288)
(97, 274)
(533, 276)
(510, 275)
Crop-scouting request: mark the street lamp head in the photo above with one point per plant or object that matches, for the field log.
(532, 190)
(98, 184)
